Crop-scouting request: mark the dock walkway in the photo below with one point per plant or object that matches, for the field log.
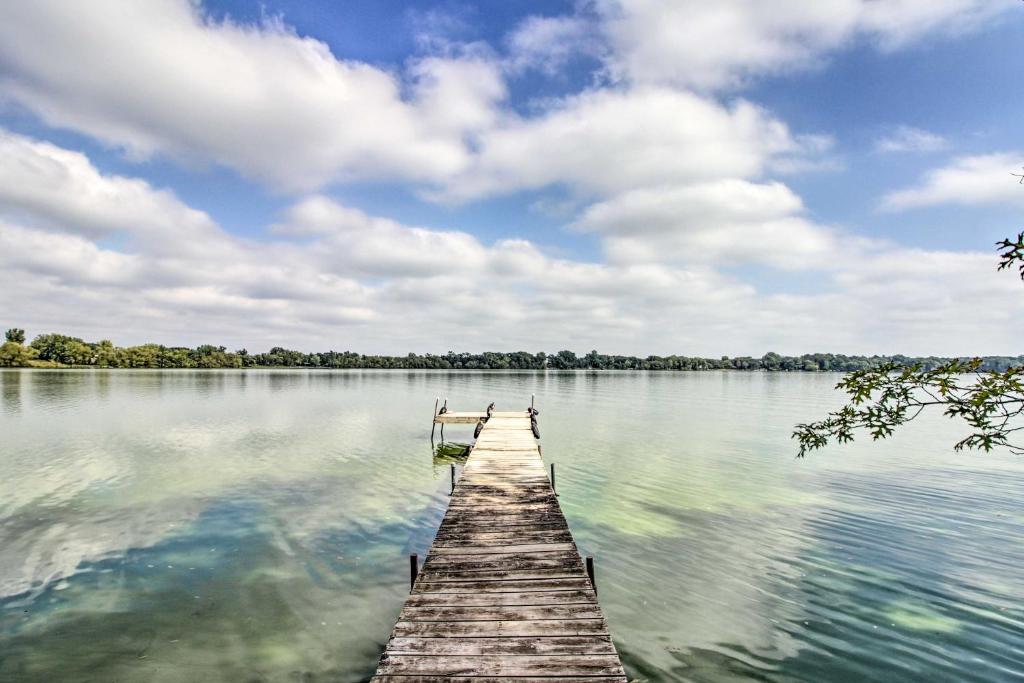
(503, 593)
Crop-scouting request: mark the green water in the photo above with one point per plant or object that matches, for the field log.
(254, 526)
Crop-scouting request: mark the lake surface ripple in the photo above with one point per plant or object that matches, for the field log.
(254, 526)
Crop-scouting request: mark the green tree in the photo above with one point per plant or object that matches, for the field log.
(15, 355)
(63, 349)
(990, 402)
(563, 360)
(16, 335)
(105, 353)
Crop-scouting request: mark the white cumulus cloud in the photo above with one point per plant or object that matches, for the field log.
(909, 139)
(548, 43)
(969, 180)
(604, 141)
(331, 276)
(723, 222)
(162, 77)
(722, 44)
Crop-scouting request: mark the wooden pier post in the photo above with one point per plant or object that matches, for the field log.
(414, 569)
(433, 422)
(444, 409)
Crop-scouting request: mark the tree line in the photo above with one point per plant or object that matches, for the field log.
(59, 350)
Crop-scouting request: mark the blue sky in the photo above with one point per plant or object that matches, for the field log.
(633, 176)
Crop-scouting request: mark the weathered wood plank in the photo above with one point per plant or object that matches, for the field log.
(489, 479)
(503, 526)
(471, 486)
(517, 549)
(501, 538)
(527, 452)
(503, 594)
(477, 552)
(500, 665)
(567, 645)
(513, 599)
(482, 534)
(490, 629)
(472, 500)
(506, 459)
(504, 679)
(459, 418)
(582, 583)
(460, 536)
(582, 611)
(523, 561)
(512, 471)
(502, 512)
(503, 562)
(436, 576)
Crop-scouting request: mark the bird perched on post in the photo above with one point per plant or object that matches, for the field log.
(490, 409)
(479, 428)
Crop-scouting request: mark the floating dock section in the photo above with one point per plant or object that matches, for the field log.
(503, 593)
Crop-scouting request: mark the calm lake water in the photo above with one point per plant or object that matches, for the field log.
(254, 526)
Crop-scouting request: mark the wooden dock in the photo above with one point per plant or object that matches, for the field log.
(503, 593)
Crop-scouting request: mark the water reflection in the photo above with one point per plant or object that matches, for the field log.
(236, 526)
(10, 390)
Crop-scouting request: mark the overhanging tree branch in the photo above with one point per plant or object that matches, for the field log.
(1012, 252)
(883, 398)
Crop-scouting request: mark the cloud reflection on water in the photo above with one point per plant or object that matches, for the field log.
(168, 526)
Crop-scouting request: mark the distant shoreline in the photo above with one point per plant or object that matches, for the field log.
(57, 351)
(285, 369)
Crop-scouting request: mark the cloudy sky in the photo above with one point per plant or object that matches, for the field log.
(636, 176)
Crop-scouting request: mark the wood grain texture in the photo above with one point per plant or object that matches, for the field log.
(503, 594)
